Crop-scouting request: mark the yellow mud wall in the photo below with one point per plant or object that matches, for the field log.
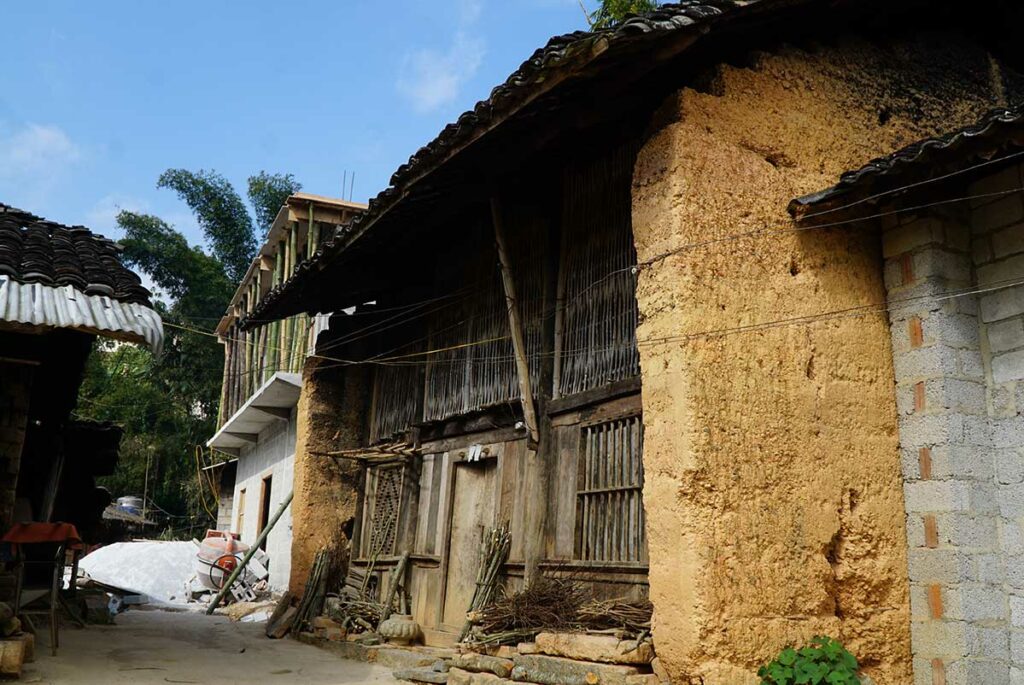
(773, 488)
(326, 494)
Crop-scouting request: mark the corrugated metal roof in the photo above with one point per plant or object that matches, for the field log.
(35, 304)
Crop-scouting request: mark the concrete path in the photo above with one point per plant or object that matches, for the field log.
(162, 647)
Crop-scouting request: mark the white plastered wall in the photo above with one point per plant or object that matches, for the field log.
(273, 455)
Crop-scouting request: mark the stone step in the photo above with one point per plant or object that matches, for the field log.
(554, 670)
(482, 663)
(601, 648)
(421, 675)
(411, 657)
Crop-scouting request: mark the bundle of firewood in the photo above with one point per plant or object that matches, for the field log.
(632, 616)
(547, 604)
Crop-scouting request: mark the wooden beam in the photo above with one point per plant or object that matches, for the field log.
(516, 326)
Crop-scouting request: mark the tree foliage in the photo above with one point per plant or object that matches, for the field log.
(221, 214)
(267, 193)
(612, 12)
(126, 385)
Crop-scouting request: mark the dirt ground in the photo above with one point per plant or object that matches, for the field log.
(164, 647)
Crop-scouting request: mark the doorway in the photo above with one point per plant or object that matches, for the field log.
(474, 506)
(265, 491)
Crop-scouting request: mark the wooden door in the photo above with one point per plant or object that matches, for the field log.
(473, 510)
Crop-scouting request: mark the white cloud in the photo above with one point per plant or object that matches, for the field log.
(102, 218)
(430, 77)
(34, 160)
(36, 149)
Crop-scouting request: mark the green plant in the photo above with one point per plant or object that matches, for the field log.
(612, 12)
(823, 661)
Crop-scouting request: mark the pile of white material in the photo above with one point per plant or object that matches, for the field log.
(160, 570)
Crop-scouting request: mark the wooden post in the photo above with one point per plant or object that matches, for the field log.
(516, 327)
(248, 555)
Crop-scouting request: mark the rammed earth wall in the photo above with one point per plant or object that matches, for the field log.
(330, 417)
(773, 490)
(960, 389)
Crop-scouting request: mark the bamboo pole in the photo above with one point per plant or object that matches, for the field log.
(397, 577)
(248, 555)
(515, 326)
(309, 233)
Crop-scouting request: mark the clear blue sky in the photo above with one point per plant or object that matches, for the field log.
(98, 98)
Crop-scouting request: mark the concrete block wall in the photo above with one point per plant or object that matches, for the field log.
(15, 395)
(958, 618)
(997, 250)
(273, 455)
(955, 310)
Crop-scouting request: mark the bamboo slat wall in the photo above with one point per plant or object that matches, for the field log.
(610, 522)
(471, 366)
(397, 400)
(599, 316)
(483, 374)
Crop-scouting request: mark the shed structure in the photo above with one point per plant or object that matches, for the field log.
(60, 288)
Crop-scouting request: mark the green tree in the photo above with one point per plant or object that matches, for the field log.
(267, 193)
(221, 214)
(168, 406)
(612, 12)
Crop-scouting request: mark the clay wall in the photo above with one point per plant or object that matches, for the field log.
(773, 487)
(330, 417)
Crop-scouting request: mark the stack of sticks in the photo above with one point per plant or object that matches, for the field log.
(493, 555)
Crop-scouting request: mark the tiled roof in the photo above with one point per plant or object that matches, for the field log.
(562, 58)
(983, 140)
(33, 250)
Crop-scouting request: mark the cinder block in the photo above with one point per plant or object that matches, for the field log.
(946, 566)
(981, 250)
(986, 642)
(1015, 571)
(1008, 241)
(969, 532)
(970, 364)
(933, 361)
(1009, 466)
(931, 639)
(998, 214)
(1007, 433)
(1008, 367)
(1001, 271)
(988, 672)
(1002, 304)
(1017, 647)
(980, 602)
(941, 263)
(988, 569)
(1003, 180)
(935, 496)
(912, 235)
(1011, 501)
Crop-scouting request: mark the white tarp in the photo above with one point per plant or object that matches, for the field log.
(160, 570)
